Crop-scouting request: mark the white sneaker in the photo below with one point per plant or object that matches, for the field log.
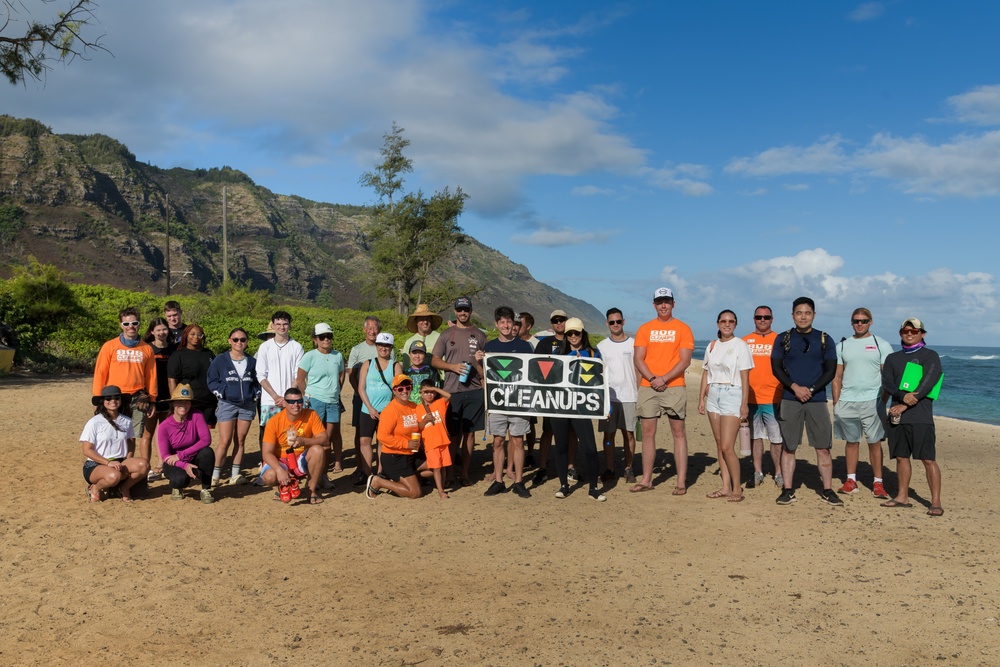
(238, 480)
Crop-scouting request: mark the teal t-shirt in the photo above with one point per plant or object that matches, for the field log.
(862, 359)
(323, 374)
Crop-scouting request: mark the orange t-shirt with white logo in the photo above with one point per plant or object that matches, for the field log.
(764, 387)
(435, 435)
(396, 423)
(663, 342)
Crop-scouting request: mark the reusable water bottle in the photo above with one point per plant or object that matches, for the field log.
(744, 438)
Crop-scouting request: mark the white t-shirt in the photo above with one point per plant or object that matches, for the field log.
(619, 363)
(107, 440)
(279, 365)
(724, 361)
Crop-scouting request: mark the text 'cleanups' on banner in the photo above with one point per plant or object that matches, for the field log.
(546, 386)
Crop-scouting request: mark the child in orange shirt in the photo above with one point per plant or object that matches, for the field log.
(434, 401)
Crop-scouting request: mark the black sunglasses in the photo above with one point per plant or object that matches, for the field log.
(324, 337)
(463, 310)
(558, 320)
(238, 340)
(614, 322)
(113, 398)
(763, 317)
(860, 321)
(294, 401)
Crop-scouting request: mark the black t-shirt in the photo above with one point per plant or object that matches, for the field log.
(547, 345)
(514, 346)
(191, 367)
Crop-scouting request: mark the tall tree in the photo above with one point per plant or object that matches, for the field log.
(411, 233)
(30, 53)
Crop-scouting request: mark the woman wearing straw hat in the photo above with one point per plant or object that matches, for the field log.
(109, 444)
(184, 442)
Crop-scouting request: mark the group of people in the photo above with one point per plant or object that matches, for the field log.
(416, 416)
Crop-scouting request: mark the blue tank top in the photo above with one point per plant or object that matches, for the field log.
(379, 393)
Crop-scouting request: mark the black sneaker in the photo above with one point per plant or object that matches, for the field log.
(562, 492)
(540, 477)
(787, 497)
(519, 490)
(572, 476)
(830, 498)
(597, 495)
(495, 488)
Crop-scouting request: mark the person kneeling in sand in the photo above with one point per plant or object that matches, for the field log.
(298, 433)
(399, 427)
(108, 442)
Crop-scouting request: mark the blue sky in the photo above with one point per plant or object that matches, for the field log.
(738, 153)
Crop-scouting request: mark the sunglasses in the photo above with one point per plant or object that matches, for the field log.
(113, 398)
(860, 321)
(909, 332)
(763, 317)
(463, 310)
(404, 387)
(574, 333)
(238, 340)
(294, 401)
(130, 324)
(726, 322)
(612, 323)
(324, 337)
(558, 320)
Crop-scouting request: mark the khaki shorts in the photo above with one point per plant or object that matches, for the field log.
(672, 402)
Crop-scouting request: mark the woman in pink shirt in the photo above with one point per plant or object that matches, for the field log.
(184, 443)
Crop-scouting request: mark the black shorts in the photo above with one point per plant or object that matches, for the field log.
(912, 440)
(398, 466)
(465, 412)
(367, 427)
(89, 466)
(356, 411)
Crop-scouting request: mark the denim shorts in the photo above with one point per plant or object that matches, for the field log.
(724, 399)
(328, 413)
(227, 412)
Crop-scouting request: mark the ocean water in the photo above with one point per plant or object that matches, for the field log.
(971, 389)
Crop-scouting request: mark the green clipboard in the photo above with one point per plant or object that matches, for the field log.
(912, 374)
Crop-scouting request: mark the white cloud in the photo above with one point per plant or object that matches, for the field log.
(671, 279)
(551, 237)
(867, 11)
(826, 156)
(796, 187)
(980, 106)
(675, 178)
(591, 191)
(759, 192)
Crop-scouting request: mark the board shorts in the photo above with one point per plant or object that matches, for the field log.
(852, 419)
(764, 423)
(815, 417)
(498, 424)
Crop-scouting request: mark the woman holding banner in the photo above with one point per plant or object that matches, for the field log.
(577, 344)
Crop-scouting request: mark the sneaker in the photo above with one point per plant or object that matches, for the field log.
(206, 497)
(572, 476)
(359, 479)
(758, 479)
(779, 481)
(238, 480)
(879, 491)
(519, 490)
(154, 475)
(608, 476)
(597, 495)
(787, 497)
(629, 476)
(216, 481)
(562, 492)
(540, 477)
(831, 498)
(176, 494)
(495, 488)
(850, 486)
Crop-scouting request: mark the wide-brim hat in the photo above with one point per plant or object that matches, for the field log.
(110, 390)
(423, 311)
(269, 331)
(182, 392)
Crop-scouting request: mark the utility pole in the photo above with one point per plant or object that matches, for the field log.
(167, 211)
(225, 241)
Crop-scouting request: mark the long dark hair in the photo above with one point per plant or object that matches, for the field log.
(103, 411)
(563, 346)
(718, 333)
(187, 330)
(149, 337)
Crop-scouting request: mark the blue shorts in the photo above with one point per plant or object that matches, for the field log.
(724, 399)
(328, 413)
(227, 412)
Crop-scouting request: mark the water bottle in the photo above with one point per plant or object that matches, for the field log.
(464, 377)
(745, 438)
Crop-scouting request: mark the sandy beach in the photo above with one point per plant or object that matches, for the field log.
(647, 579)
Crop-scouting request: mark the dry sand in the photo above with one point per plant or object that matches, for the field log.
(645, 579)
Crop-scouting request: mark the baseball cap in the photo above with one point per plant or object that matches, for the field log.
(385, 338)
(558, 313)
(913, 322)
(662, 293)
(418, 346)
(402, 378)
(574, 324)
(322, 328)
(463, 302)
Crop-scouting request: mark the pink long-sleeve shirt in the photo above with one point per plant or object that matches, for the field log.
(183, 438)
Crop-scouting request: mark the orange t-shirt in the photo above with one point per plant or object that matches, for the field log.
(396, 423)
(276, 430)
(435, 435)
(663, 342)
(131, 369)
(764, 387)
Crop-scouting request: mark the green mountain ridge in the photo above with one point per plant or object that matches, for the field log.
(84, 204)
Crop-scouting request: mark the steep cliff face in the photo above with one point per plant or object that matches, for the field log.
(85, 204)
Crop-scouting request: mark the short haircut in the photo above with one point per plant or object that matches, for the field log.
(527, 320)
(281, 315)
(767, 308)
(171, 305)
(804, 300)
(427, 382)
(372, 318)
(863, 311)
(613, 311)
(131, 311)
(502, 312)
(291, 391)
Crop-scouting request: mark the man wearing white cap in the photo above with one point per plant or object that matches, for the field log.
(663, 349)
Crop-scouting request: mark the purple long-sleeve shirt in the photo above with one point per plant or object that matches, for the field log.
(183, 438)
